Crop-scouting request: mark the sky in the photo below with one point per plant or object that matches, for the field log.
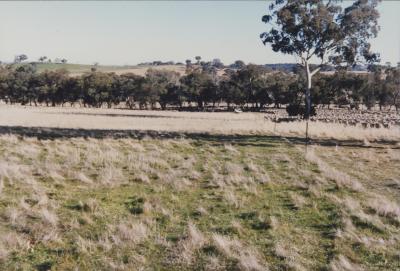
(130, 32)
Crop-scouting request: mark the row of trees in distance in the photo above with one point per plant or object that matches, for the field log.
(251, 87)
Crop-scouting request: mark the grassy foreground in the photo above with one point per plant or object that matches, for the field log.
(197, 204)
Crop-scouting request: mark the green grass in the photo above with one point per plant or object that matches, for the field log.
(200, 182)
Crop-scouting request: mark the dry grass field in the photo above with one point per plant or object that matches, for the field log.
(79, 69)
(99, 189)
(83, 120)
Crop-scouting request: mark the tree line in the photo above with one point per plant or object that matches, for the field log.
(202, 87)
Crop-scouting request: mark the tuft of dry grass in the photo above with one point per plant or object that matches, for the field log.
(233, 248)
(126, 233)
(340, 178)
(194, 241)
(341, 263)
(385, 207)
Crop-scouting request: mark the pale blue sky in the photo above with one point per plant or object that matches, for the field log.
(131, 32)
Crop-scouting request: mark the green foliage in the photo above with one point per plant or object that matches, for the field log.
(135, 205)
(252, 87)
(322, 30)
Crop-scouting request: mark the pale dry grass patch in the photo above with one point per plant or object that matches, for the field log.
(385, 207)
(394, 154)
(213, 263)
(56, 176)
(217, 179)
(11, 139)
(262, 178)
(259, 175)
(247, 257)
(338, 131)
(3, 253)
(194, 175)
(252, 167)
(348, 231)
(13, 171)
(340, 178)
(231, 149)
(40, 223)
(341, 263)
(13, 242)
(15, 216)
(93, 206)
(174, 179)
(288, 252)
(40, 195)
(353, 208)
(188, 163)
(143, 178)
(174, 158)
(82, 177)
(135, 146)
(49, 168)
(230, 197)
(222, 123)
(274, 222)
(71, 155)
(251, 188)
(298, 200)
(237, 180)
(1, 184)
(129, 233)
(30, 151)
(85, 246)
(237, 226)
(104, 242)
(194, 241)
(111, 175)
(49, 217)
(50, 236)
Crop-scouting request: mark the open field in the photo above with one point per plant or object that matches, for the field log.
(125, 121)
(200, 157)
(109, 189)
(213, 203)
(79, 69)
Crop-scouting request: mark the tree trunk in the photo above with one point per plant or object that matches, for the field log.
(308, 91)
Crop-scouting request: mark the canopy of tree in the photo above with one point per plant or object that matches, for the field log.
(322, 30)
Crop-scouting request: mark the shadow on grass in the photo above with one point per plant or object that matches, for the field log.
(257, 140)
(142, 115)
(113, 115)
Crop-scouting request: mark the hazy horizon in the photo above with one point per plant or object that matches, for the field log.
(128, 33)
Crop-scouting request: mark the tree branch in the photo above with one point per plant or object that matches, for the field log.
(315, 71)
